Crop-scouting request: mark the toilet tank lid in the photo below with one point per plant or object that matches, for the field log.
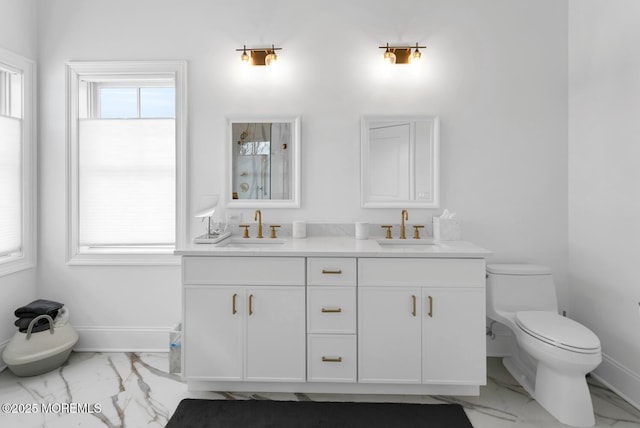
(517, 269)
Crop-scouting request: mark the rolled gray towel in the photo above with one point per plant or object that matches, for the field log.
(38, 307)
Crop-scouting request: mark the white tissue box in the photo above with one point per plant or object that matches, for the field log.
(446, 229)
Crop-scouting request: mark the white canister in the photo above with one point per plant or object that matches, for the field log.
(362, 230)
(299, 229)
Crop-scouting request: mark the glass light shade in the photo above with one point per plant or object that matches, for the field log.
(245, 58)
(389, 57)
(271, 58)
(416, 55)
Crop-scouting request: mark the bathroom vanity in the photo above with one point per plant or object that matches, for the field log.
(334, 315)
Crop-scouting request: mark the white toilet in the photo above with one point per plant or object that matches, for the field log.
(551, 354)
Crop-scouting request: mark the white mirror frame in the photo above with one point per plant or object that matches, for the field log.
(434, 163)
(294, 120)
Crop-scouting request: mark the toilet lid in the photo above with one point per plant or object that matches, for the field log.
(558, 331)
(517, 269)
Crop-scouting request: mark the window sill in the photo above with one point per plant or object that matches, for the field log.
(13, 264)
(124, 256)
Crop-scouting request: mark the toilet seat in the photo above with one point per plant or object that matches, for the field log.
(517, 269)
(558, 331)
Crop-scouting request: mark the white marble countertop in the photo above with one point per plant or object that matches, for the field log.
(334, 246)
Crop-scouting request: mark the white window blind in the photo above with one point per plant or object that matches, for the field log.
(126, 136)
(127, 170)
(10, 186)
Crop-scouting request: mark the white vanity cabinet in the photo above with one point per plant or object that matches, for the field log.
(334, 315)
(421, 321)
(244, 319)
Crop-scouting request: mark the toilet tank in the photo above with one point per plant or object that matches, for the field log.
(519, 287)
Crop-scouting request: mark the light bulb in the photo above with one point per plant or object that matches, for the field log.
(271, 58)
(416, 54)
(245, 58)
(389, 56)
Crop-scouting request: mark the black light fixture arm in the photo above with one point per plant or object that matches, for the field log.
(258, 49)
(396, 47)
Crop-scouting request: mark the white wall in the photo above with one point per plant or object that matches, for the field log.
(498, 82)
(604, 195)
(17, 34)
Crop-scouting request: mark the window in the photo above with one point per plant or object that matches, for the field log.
(127, 149)
(17, 163)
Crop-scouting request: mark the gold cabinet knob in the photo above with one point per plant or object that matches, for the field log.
(246, 230)
(388, 231)
(273, 230)
(416, 234)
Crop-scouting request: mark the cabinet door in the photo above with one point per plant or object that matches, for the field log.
(213, 333)
(453, 336)
(389, 327)
(276, 334)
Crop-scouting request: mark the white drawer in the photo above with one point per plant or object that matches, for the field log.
(331, 271)
(331, 309)
(421, 272)
(243, 270)
(331, 358)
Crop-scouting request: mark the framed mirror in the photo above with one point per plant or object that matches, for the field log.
(400, 161)
(263, 161)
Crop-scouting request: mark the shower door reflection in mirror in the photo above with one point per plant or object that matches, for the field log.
(264, 161)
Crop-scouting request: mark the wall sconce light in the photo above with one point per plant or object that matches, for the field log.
(401, 54)
(259, 56)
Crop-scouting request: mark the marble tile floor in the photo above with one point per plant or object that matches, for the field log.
(131, 390)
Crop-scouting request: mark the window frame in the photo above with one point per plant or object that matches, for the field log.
(26, 259)
(126, 71)
(94, 109)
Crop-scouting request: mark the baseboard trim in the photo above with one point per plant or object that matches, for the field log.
(122, 339)
(619, 379)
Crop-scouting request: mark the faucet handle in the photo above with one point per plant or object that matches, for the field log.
(416, 234)
(273, 230)
(246, 230)
(388, 227)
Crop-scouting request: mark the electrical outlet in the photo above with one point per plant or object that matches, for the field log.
(234, 218)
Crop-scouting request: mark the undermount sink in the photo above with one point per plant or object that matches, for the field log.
(406, 242)
(251, 242)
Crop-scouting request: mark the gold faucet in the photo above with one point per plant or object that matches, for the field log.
(258, 217)
(405, 216)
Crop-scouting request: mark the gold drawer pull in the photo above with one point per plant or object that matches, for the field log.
(233, 304)
(332, 272)
(430, 314)
(413, 312)
(331, 359)
(250, 304)
(330, 311)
